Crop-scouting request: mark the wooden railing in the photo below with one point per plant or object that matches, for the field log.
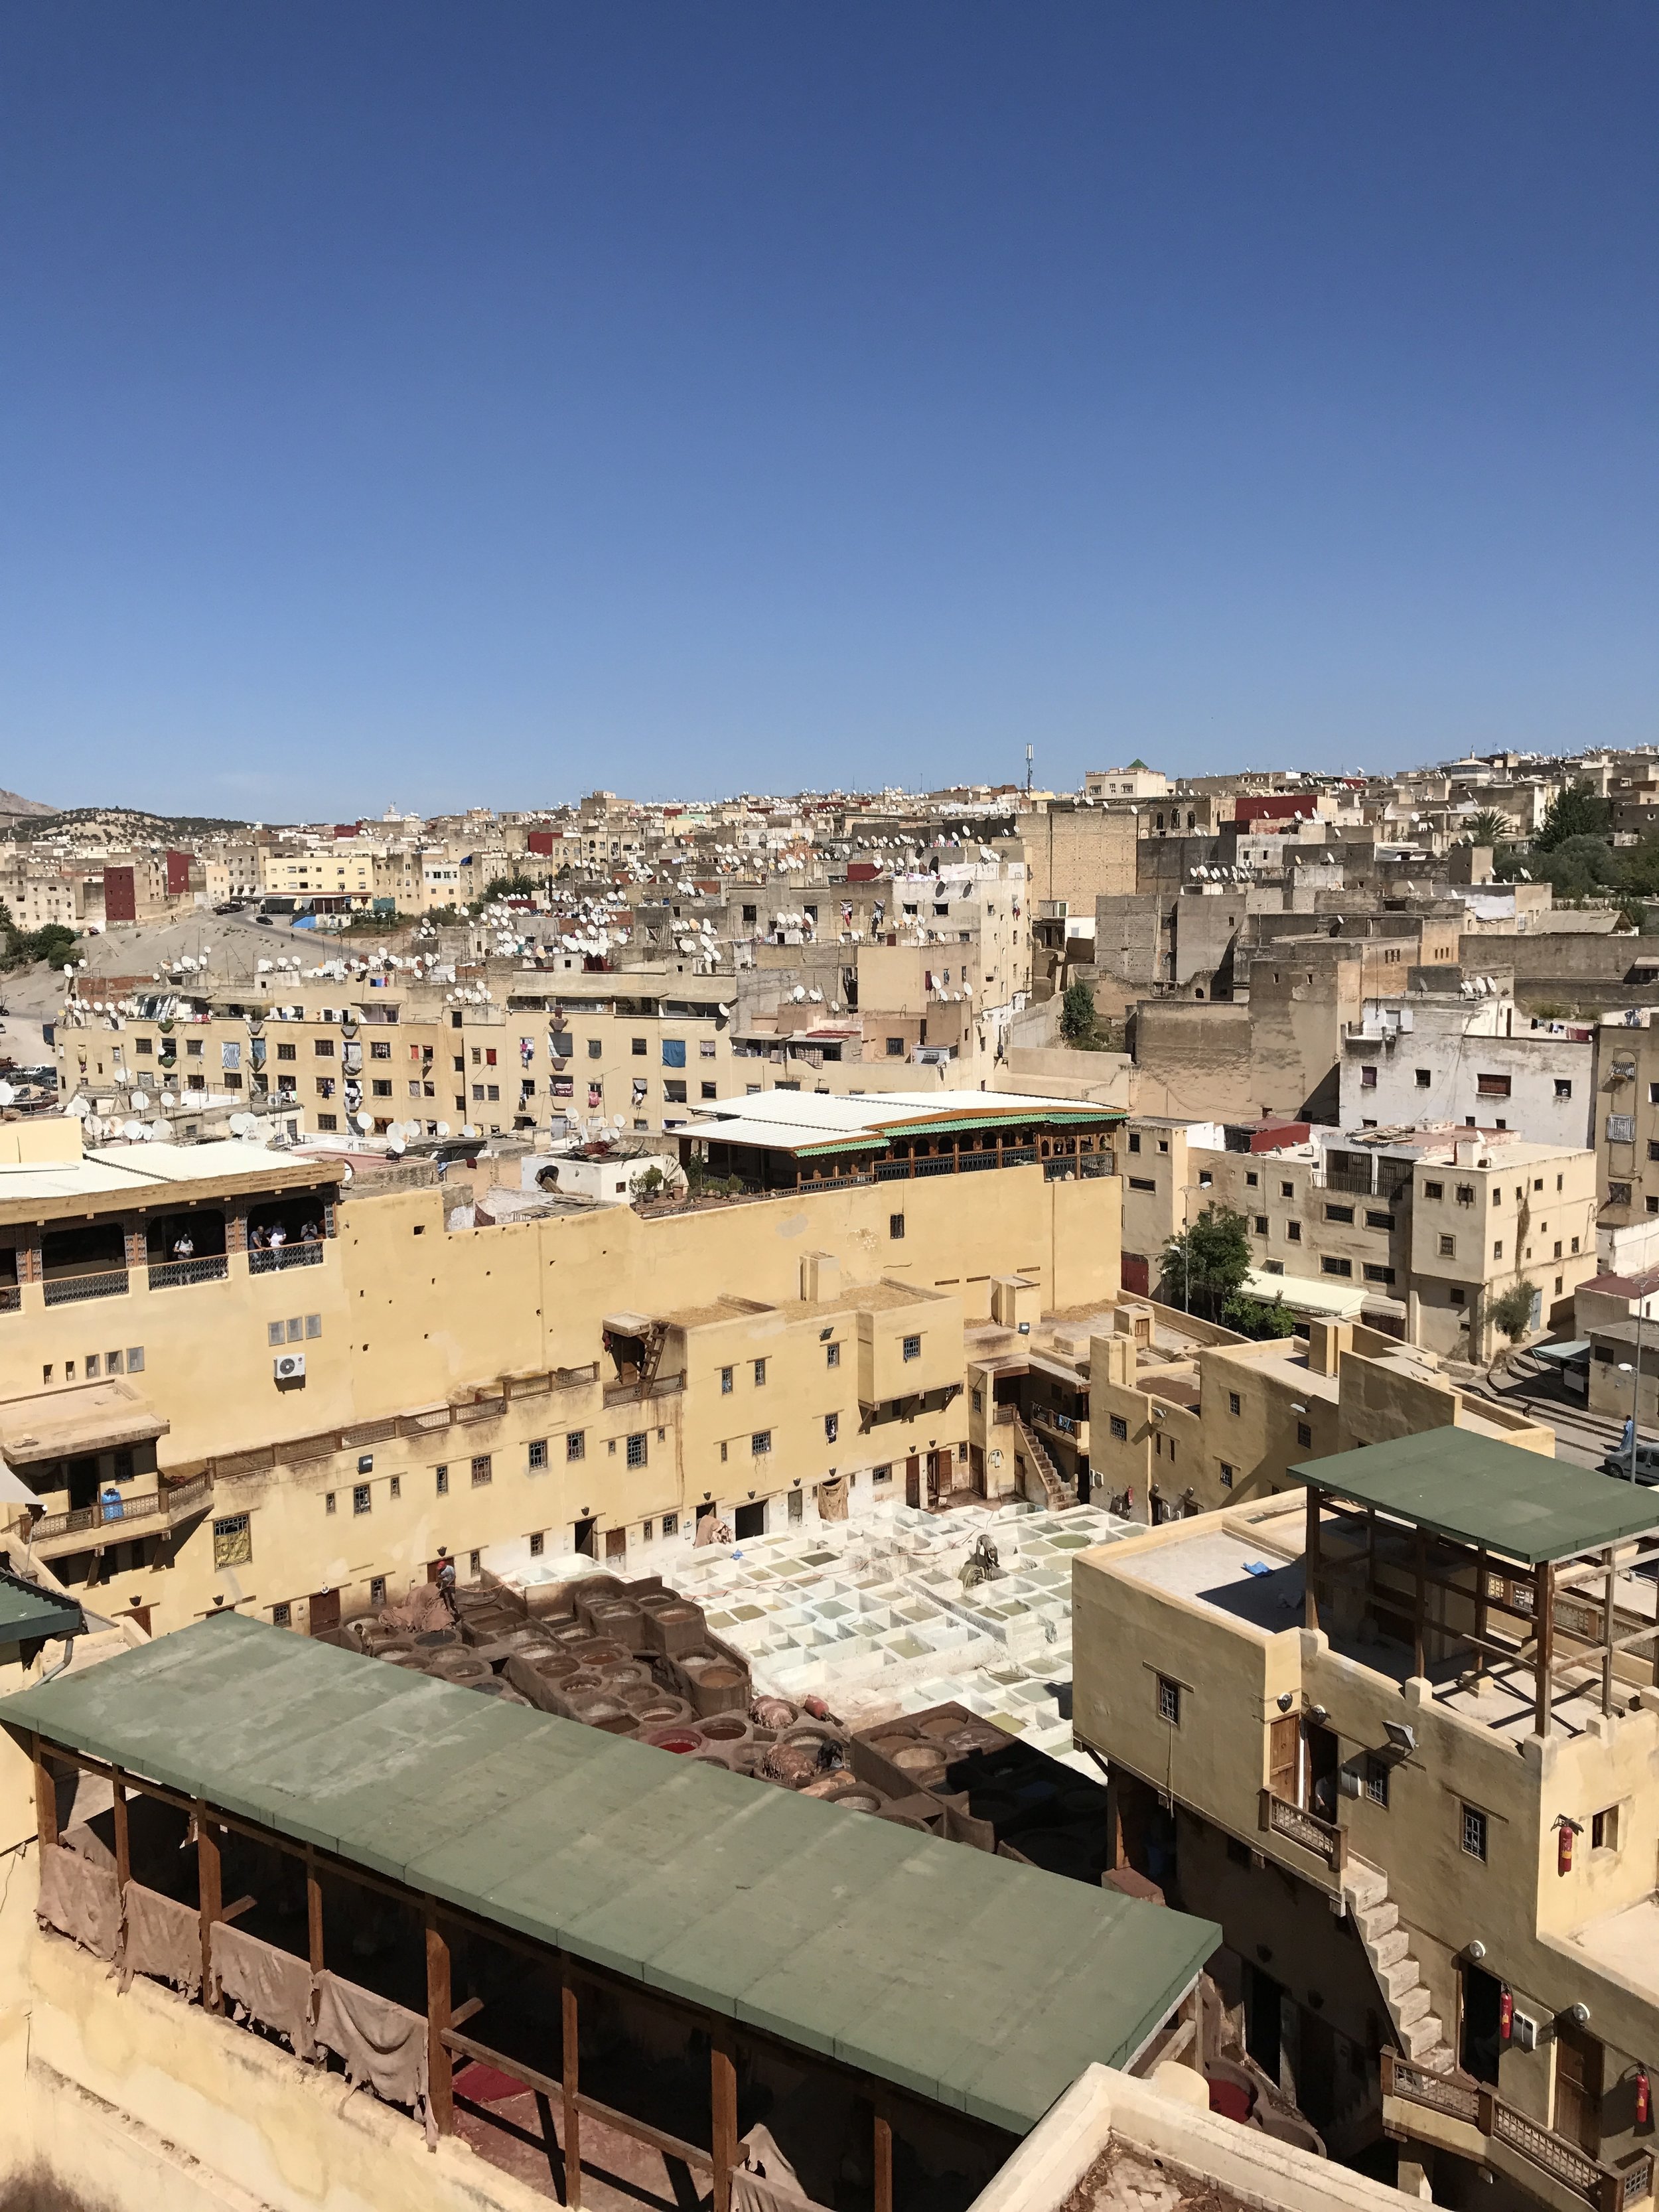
(1604, 2188)
(133, 1514)
(1279, 1817)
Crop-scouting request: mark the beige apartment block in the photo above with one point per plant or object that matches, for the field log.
(283, 1424)
(1397, 1736)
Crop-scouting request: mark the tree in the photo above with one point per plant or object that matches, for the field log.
(1253, 1317)
(1512, 1312)
(1577, 867)
(1206, 1264)
(1576, 812)
(1076, 1015)
(1488, 827)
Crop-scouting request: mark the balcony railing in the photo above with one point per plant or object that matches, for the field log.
(170, 1274)
(1603, 2188)
(11, 1298)
(273, 1258)
(67, 1289)
(1279, 1817)
(111, 1521)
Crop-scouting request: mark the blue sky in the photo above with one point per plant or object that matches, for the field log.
(480, 403)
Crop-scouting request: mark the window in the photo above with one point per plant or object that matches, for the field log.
(362, 1499)
(1422, 1075)
(1329, 1266)
(282, 1616)
(396, 1486)
(912, 1347)
(760, 1373)
(595, 1047)
(636, 1449)
(537, 1541)
(1233, 1403)
(1304, 1437)
(1604, 1827)
(1491, 1086)
(1378, 1274)
(761, 1442)
(1120, 1428)
(1142, 1182)
(284, 1051)
(474, 1561)
(233, 1541)
(380, 1090)
(1564, 1086)
(575, 1445)
(1466, 1194)
(481, 1470)
(1287, 1190)
(1134, 1144)
(1375, 1220)
(1617, 1194)
(1434, 1190)
(673, 1094)
(1498, 1248)
(896, 1224)
(1473, 1833)
(1251, 1180)
(671, 1522)
(1293, 1231)
(637, 1047)
(831, 1427)
(710, 1089)
(725, 1382)
(328, 1501)
(1376, 1780)
(442, 1474)
(1368, 1078)
(322, 1047)
(377, 1051)
(895, 1048)
(832, 1355)
(538, 1451)
(1261, 1225)
(1338, 1213)
(1226, 1474)
(1169, 1701)
(881, 1474)
(1454, 1296)
(1621, 1128)
(1449, 1248)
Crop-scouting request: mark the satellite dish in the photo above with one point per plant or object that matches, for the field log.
(140, 1100)
(80, 1109)
(443, 1129)
(364, 1120)
(394, 1146)
(243, 1124)
(133, 1132)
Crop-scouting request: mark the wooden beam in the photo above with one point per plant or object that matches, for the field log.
(1310, 1562)
(440, 2084)
(314, 1914)
(1606, 1637)
(1417, 1605)
(211, 1897)
(123, 1837)
(570, 2092)
(1482, 1578)
(723, 2113)
(884, 2161)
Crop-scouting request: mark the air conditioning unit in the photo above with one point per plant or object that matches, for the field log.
(290, 1367)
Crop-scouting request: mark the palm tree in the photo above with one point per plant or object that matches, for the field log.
(1489, 828)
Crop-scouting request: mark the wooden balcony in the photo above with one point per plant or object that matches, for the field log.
(1295, 1825)
(1418, 2103)
(143, 1513)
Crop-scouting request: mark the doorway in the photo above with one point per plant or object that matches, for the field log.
(912, 1481)
(750, 1521)
(1324, 1757)
(1578, 2087)
(585, 1540)
(324, 1611)
(1478, 2042)
(82, 1484)
(616, 1543)
(1263, 2019)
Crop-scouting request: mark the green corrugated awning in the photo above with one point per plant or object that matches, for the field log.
(1010, 1119)
(27, 1611)
(1476, 1490)
(984, 1986)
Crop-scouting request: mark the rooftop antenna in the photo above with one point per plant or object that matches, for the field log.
(1028, 771)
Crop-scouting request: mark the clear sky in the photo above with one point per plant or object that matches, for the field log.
(483, 402)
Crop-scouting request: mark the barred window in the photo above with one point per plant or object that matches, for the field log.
(482, 1470)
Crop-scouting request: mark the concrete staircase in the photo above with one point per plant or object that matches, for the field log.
(1387, 1945)
(1036, 1457)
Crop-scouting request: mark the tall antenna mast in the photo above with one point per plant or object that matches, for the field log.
(1028, 771)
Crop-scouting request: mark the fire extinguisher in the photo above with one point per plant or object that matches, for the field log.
(1565, 1830)
(1642, 2096)
(1505, 2015)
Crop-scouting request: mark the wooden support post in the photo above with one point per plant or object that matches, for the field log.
(314, 1914)
(1543, 1612)
(571, 2082)
(723, 2102)
(883, 2162)
(1418, 1601)
(212, 1898)
(46, 1798)
(1310, 1562)
(1481, 1572)
(122, 1839)
(1606, 1634)
(440, 2085)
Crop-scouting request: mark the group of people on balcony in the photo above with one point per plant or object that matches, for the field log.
(272, 1239)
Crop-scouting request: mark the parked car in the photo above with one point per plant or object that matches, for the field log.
(1647, 1464)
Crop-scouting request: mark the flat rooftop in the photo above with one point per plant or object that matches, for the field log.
(980, 1984)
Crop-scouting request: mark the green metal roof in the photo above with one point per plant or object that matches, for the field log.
(27, 1610)
(978, 1983)
(1475, 1491)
